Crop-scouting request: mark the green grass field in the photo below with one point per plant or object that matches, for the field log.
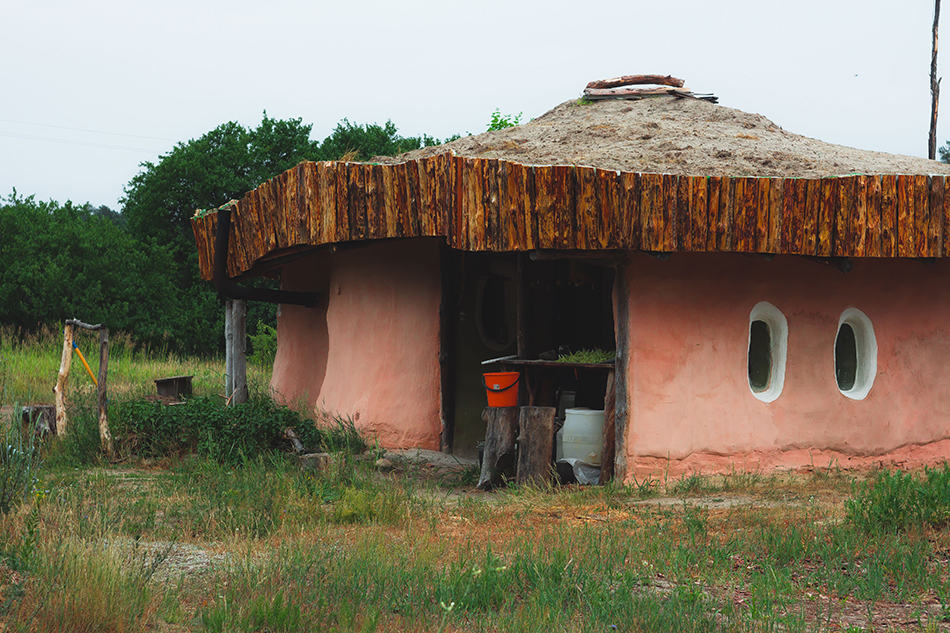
(181, 543)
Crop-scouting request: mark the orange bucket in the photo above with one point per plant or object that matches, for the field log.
(501, 388)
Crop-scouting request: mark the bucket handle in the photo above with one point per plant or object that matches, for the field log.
(499, 390)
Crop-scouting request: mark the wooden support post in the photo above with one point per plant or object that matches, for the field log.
(448, 318)
(60, 389)
(105, 437)
(621, 317)
(608, 449)
(521, 308)
(535, 444)
(228, 351)
(499, 454)
(239, 350)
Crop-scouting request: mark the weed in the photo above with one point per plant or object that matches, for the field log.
(893, 501)
(19, 459)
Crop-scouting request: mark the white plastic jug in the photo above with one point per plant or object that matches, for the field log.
(582, 435)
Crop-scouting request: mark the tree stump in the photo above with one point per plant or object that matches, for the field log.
(39, 418)
(499, 454)
(535, 444)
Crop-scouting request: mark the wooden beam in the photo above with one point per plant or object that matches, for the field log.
(621, 315)
(228, 350)
(636, 80)
(609, 449)
(448, 317)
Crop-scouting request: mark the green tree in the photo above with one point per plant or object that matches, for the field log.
(363, 141)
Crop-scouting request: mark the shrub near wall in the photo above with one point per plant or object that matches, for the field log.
(203, 426)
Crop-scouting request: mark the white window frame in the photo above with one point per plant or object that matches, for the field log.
(866, 352)
(778, 346)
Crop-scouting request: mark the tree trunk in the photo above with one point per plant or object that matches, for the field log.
(228, 350)
(607, 451)
(62, 378)
(499, 454)
(535, 444)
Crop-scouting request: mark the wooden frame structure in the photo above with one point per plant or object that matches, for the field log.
(105, 437)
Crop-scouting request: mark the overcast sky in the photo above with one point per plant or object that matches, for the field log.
(90, 89)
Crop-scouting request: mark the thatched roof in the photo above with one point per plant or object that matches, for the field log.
(675, 136)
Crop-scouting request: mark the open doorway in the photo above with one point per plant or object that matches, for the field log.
(527, 308)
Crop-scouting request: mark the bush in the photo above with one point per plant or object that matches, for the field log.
(263, 345)
(19, 460)
(226, 434)
(896, 501)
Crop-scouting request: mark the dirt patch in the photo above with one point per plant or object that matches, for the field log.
(676, 136)
(715, 502)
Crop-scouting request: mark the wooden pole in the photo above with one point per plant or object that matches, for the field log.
(105, 437)
(239, 355)
(228, 351)
(621, 315)
(60, 389)
(934, 87)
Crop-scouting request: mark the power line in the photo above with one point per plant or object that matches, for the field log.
(71, 142)
(88, 130)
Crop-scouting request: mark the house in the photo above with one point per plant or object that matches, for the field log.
(772, 300)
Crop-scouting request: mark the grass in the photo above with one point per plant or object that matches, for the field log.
(184, 542)
(29, 365)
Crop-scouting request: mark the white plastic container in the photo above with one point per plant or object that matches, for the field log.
(582, 435)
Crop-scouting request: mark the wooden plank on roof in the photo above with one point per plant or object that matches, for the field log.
(342, 224)
(698, 213)
(714, 186)
(935, 206)
(424, 199)
(326, 194)
(413, 198)
(921, 216)
(311, 204)
(587, 214)
(889, 204)
(945, 221)
(872, 232)
(683, 238)
(762, 205)
(906, 225)
(437, 171)
(788, 215)
(493, 237)
(401, 200)
(629, 210)
(511, 195)
(565, 207)
(773, 241)
(842, 241)
(544, 206)
(827, 212)
(390, 211)
(669, 243)
(727, 191)
(608, 195)
(459, 234)
(530, 206)
(859, 217)
(356, 201)
(375, 205)
(740, 216)
(241, 249)
(810, 210)
(651, 191)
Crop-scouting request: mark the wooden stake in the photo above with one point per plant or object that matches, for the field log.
(61, 379)
(228, 350)
(934, 87)
(105, 438)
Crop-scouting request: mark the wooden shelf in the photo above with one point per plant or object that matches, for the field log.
(523, 362)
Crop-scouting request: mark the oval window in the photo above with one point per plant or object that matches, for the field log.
(855, 354)
(768, 339)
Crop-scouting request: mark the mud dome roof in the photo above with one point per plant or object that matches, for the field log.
(663, 174)
(683, 136)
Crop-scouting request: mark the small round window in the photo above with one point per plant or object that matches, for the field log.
(768, 339)
(855, 354)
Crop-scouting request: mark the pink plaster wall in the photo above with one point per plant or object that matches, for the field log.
(302, 338)
(382, 364)
(689, 404)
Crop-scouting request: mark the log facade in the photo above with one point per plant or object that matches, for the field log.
(484, 204)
